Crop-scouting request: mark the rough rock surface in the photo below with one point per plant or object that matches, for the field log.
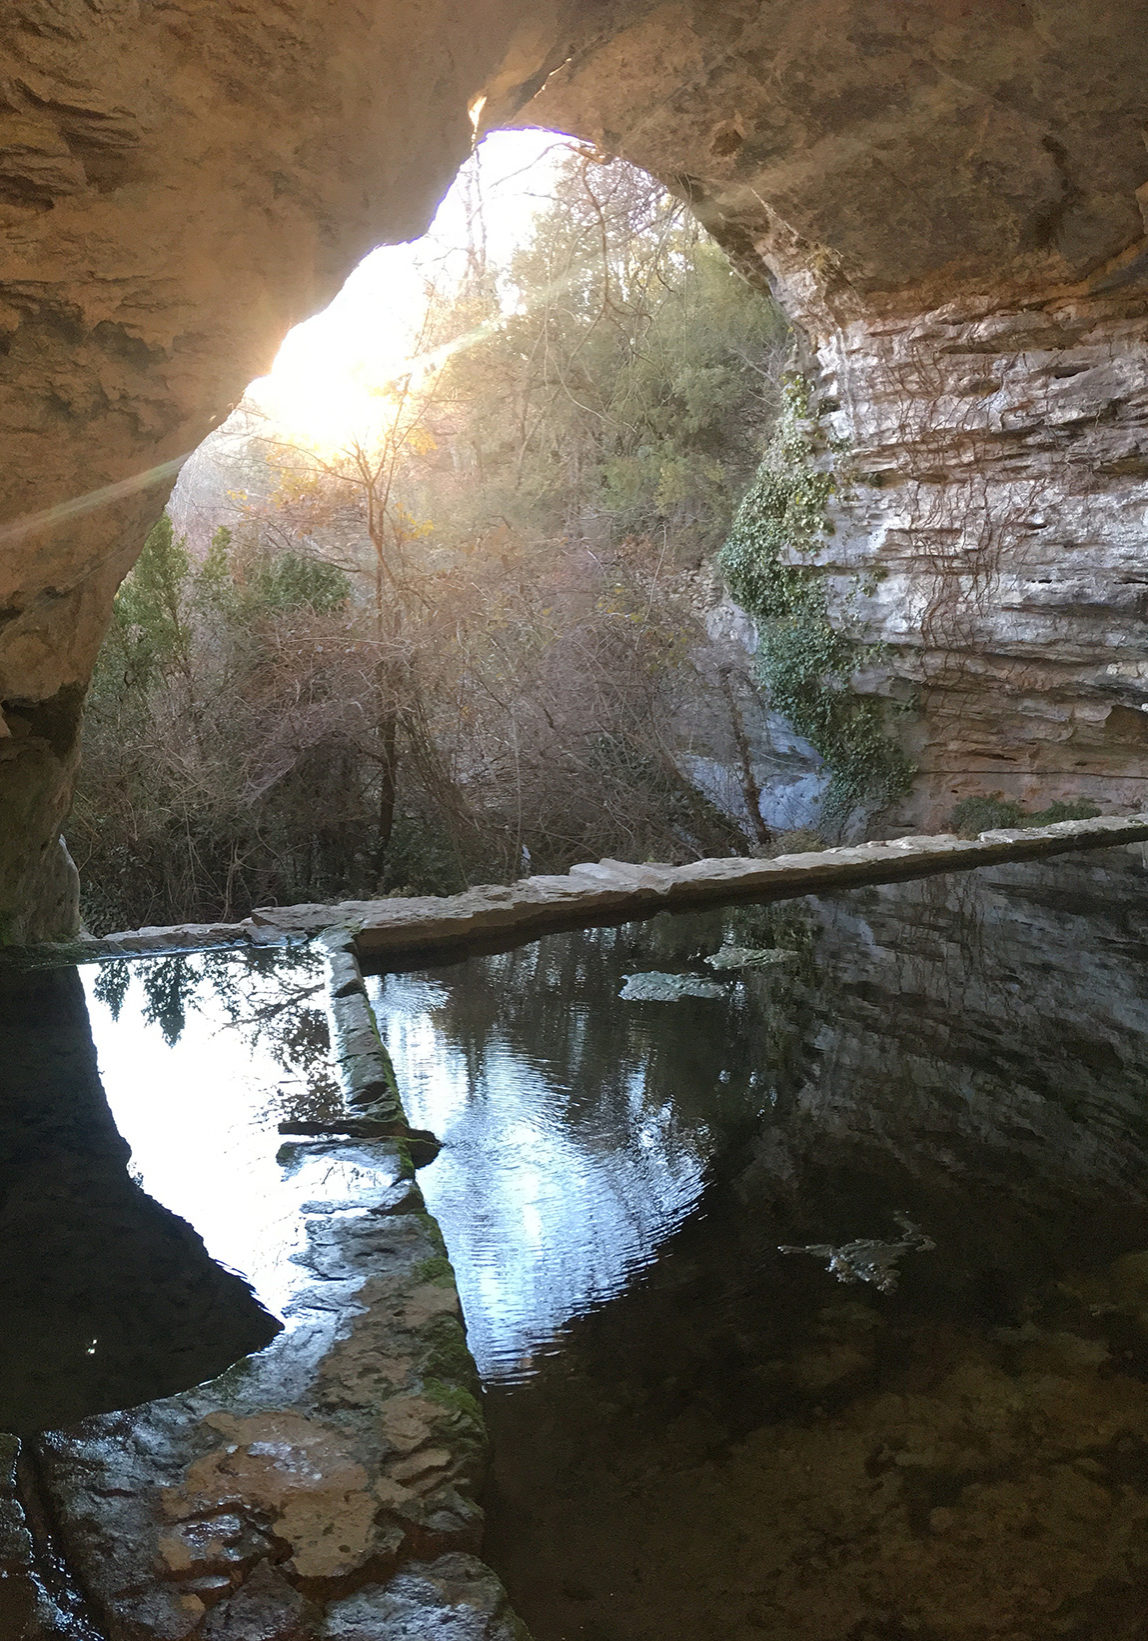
(946, 195)
(468, 1601)
(1001, 453)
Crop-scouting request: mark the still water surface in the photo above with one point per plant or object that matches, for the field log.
(697, 1434)
(577, 1129)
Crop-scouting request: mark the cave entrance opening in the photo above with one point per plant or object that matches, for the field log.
(432, 607)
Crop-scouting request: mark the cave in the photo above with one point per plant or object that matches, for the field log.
(949, 200)
(946, 198)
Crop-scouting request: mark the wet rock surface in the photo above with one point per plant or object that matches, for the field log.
(655, 987)
(466, 1599)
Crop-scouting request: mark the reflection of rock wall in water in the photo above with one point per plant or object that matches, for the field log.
(741, 1446)
(976, 1059)
(107, 1298)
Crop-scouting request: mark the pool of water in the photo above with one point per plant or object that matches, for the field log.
(200, 1059)
(577, 1131)
(809, 1289)
(931, 1424)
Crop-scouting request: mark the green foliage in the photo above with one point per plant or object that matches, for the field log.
(804, 662)
(629, 383)
(215, 580)
(149, 629)
(420, 857)
(292, 580)
(994, 812)
(1075, 809)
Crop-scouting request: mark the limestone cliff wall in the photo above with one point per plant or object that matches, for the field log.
(948, 200)
(1000, 452)
(944, 193)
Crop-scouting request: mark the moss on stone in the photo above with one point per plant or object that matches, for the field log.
(433, 1232)
(805, 662)
(447, 1356)
(463, 1404)
(438, 1269)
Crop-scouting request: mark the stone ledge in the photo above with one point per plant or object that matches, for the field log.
(495, 916)
(396, 931)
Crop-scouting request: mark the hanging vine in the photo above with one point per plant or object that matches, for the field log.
(805, 663)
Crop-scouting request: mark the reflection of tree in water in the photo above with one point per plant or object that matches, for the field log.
(719, 1064)
(108, 1298)
(266, 996)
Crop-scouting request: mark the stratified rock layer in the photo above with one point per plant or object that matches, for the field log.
(1000, 455)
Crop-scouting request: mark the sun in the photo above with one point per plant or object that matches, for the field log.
(324, 388)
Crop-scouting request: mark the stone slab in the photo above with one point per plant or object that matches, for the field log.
(493, 916)
(455, 1598)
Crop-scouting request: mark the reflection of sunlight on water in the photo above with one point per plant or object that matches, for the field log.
(550, 1197)
(200, 1118)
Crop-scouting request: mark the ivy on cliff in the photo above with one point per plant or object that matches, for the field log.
(804, 662)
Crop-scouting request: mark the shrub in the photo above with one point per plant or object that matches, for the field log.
(992, 811)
